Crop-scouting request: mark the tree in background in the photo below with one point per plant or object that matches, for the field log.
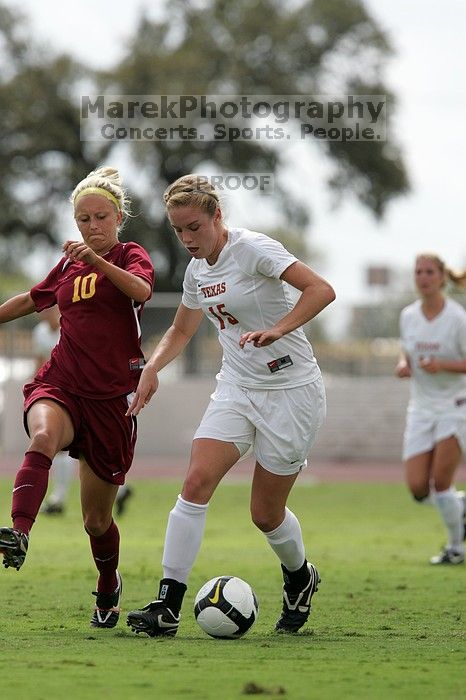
(259, 47)
(41, 154)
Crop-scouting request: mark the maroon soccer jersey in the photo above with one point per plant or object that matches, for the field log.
(99, 349)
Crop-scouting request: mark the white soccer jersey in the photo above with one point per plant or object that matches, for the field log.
(44, 338)
(443, 337)
(242, 292)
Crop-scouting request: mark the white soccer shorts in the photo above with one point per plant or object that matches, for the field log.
(423, 432)
(279, 424)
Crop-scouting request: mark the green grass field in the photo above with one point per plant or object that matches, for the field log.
(385, 624)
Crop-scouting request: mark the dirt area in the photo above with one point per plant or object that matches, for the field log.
(160, 467)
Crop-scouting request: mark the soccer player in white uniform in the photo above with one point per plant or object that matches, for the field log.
(269, 396)
(433, 337)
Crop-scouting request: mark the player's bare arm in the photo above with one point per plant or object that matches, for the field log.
(173, 342)
(133, 286)
(432, 365)
(17, 306)
(403, 368)
(316, 294)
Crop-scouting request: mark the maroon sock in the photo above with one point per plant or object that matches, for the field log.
(29, 490)
(106, 550)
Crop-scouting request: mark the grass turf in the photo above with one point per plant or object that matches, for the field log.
(385, 624)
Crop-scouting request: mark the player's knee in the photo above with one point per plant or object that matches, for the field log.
(265, 522)
(44, 442)
(197, 489)
(95, 524)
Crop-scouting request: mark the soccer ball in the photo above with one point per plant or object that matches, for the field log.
(226, 607)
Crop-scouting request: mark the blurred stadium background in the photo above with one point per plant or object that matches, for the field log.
(343, 50)
(366, 403)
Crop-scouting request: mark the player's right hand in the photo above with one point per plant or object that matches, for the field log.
(146, 388)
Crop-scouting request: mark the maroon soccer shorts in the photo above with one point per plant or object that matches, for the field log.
(103, 435)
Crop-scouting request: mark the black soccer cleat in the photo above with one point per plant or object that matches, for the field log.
(462, 497)
(297, 606)
(53, 508)
(155, 620)
(107, 607)
(13, 546)
(123, 495)
(448, 556)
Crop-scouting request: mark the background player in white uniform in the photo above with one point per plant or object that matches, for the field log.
(433, 337)
(45, 336)
(269, 393)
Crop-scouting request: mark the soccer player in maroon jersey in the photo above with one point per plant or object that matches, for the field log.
(79, 398)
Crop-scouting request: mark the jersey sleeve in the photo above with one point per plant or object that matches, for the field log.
(189, 296)
(263, 255)
(137, 261)
(44, 293)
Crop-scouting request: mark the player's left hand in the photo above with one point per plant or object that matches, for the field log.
(260, 339)
(78, 250)
(430, 365)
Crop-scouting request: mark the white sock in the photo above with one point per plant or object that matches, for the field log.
(451, 511)
(63, 472)
(183, 539)
(122, 491)
(287, 542)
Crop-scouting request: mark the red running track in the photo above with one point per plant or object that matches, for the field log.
(159, 467)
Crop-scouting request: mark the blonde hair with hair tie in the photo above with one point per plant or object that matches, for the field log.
(100, 191)
(107, 183)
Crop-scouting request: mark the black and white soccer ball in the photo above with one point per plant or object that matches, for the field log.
(226, 607)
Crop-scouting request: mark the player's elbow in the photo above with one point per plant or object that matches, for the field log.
(142, 293)
(328, 293)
